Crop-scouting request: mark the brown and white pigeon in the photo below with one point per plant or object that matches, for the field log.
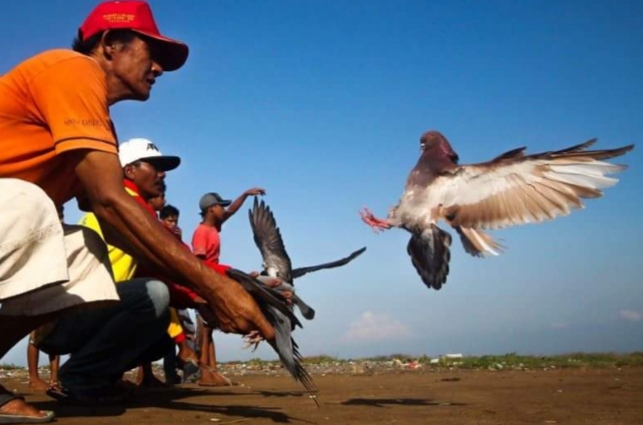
(509, 190)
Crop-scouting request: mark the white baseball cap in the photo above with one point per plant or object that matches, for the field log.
(144, 150)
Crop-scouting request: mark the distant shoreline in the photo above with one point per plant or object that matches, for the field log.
(509, 361)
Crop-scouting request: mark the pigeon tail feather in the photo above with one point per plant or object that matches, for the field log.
(430, 255)
(478, 243)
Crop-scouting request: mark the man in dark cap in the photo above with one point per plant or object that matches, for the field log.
(206, 244)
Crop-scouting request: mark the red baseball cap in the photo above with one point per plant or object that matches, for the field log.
(135, 16)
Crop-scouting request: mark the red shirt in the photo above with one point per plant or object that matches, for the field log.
(206, 243)
(180, 296)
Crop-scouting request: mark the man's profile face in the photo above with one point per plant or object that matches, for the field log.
(217, 212)
(135, 66)
(171, 222)
(158, 202)
(148, 178)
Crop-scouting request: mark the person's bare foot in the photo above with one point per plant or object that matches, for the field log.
(19, 407)
(212, 378)
(186, 353)
(38, 384)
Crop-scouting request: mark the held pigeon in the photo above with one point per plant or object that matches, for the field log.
(509, 190)
(275, 308)
(273, 305)
(276, 262)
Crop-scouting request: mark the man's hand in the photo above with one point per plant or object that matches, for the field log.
(128, 226)
(276, 283)
(255, 191)
(234, 308)
(237, 203)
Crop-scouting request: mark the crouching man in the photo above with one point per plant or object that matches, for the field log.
(57, 143)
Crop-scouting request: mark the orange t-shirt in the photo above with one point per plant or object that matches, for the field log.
(52, 103)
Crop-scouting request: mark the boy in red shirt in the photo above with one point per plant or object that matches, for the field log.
(206, 244)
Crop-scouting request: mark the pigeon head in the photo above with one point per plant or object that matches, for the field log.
(435, 146)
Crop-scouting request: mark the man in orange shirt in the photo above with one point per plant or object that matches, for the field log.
(57, 143)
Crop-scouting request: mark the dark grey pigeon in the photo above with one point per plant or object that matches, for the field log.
(273, 305)
(509, 190)
(276, 262)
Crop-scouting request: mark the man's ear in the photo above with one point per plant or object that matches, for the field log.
(106, 45)
(128, 171)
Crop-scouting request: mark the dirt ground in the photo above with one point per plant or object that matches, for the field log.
(562, 396)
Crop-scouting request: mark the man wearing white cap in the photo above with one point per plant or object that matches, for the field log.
(103, 345)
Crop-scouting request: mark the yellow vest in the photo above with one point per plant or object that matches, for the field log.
(123, 264)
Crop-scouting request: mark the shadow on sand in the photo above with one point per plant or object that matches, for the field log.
(383, 402)
(175, 399)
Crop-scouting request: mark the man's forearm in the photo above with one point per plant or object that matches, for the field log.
(234, 206)
(131, 228)
(127, 225)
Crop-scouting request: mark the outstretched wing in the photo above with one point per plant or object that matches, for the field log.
(300, 271)
(268, 239)
(516, 189)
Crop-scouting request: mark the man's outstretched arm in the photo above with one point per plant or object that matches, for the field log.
(128, 226)
(237, 203)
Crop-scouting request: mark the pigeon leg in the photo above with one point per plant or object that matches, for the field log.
(252, 339)
(376, 224)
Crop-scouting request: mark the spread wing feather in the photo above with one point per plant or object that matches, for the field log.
(300, 271)
(268, 239)
(516, 189)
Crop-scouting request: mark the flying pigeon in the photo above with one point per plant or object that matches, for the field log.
(276, 262)
(509, 190)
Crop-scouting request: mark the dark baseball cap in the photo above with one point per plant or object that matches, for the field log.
(212, 198)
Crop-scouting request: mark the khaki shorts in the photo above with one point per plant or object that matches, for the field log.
(46, 266)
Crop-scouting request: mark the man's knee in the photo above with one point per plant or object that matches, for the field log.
(145, 295)
(159, 295)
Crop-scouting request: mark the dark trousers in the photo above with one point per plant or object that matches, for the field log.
(170, 365)
(103, 343)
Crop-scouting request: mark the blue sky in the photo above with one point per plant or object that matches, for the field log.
(323, 103)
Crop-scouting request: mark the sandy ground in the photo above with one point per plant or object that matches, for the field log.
(562, 396)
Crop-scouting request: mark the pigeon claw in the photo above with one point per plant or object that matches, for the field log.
(376, 224)
(252, 339)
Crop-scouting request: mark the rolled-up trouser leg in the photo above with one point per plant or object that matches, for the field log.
(46, 266)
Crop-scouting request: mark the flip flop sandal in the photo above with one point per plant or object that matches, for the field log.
(22, 419)
(104, 397)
